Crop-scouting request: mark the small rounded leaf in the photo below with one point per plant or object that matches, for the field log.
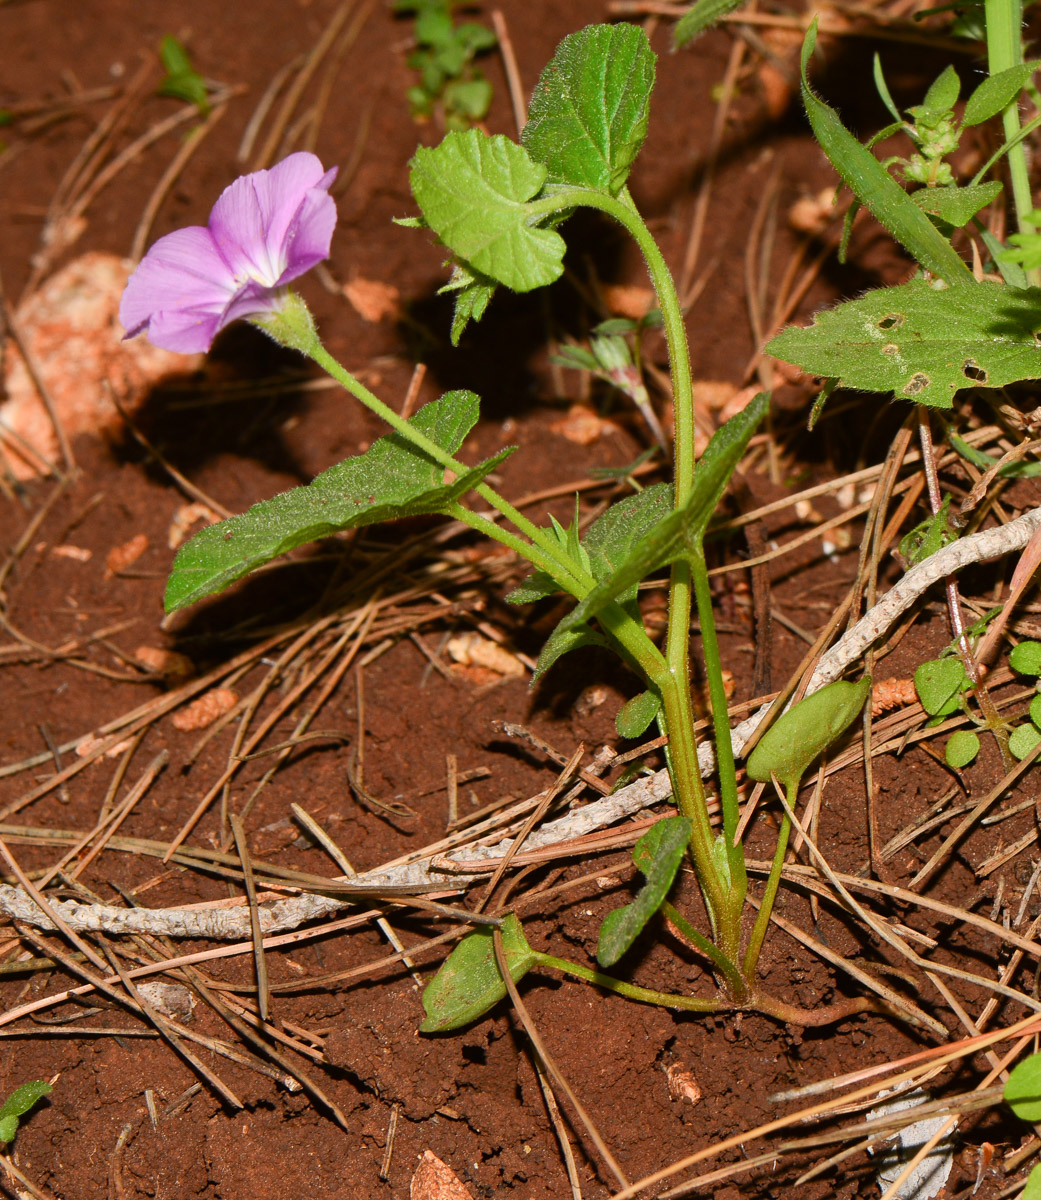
(1033, 1189)
(962, 747)
(468, 983)
(1035, 711)
(1023, 1090)
(636, 714)
(1023, 739)
(806, 730)
(1026, 658)
(938, 684)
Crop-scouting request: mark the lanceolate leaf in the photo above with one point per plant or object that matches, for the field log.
(588, 114)
(875, 188)
(658, 855)
(677, 535)
(391, 479)
(996, 93)
(699, 17)
(923, 343)
(956, 205)
(469, 983)
(473, 191)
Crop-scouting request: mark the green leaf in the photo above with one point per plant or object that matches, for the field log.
(955, 206)
(473, 292)
(181, 81)
(473, 191)
(1033, 1189)
(391, 479)
(433, 26)
(476, 37)
(470, 98)
(589, 111)
(929, 536)
(677, 535)
(961, 749)
(699, 17)
(469, 983)
(806, 730)
(1026, 658)
(658, 855)
(20, 1101)
(875, 188)
(636, 715)
(939, 683)
(996, 93)
(943, 92)
(1022, 740)
(922, 343)
(1023, 1089)
(1035, 711)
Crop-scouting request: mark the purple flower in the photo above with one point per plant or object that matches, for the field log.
(265, 230)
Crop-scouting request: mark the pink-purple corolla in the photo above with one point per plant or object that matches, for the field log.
(266, 229)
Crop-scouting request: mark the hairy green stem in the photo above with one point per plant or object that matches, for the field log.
(737, 985)
(716, 879)
(1004, 22)
(762, 920)
(631, 990)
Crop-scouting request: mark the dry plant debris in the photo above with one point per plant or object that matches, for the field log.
(201, 713)
(435, 1180)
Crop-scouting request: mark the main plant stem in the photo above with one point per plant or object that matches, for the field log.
(721, 876)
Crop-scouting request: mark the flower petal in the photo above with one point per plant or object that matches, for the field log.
(252, 219)
(182, 272)
(310, 234)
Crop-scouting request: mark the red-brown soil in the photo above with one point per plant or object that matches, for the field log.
(473, 1099)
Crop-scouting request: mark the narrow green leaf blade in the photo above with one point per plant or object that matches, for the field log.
(921, 342)
(588, 114)
(699, 17)
(391, 479)
(875, 188)
(806, 730)
(22, 1099)
(473, 191)
(997, 92)
(469, 983)
(658, 855)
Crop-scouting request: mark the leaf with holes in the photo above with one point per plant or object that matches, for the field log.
(469, 983)
(922, 342)
(658, 855)
(589, 111)
(391, 479)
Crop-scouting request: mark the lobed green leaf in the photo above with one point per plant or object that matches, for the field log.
(658, 855)
(589, 111)
(473, 191)
(469, 983)
(921, 342)
(391, 479)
